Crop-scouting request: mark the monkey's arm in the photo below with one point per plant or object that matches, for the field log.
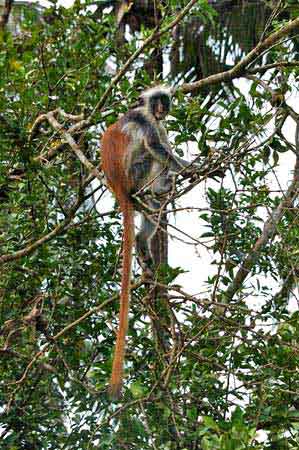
(155, 140)
(161, 151)
(179, 163)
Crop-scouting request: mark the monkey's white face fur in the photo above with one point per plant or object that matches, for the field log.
(156, 101)
(160, 89)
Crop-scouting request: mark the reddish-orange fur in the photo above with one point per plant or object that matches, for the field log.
(114, 158)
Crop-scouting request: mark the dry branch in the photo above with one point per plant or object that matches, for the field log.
(74, 146)
(66, 134)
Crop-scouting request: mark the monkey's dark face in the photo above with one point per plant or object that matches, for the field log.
(159, 105)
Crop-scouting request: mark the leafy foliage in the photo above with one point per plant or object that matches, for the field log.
(227, 378)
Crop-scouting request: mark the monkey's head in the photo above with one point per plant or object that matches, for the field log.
(157, 101)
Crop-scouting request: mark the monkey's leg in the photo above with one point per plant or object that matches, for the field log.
(162, 184)
(145, 235)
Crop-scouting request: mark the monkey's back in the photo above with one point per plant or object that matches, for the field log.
(114, 153)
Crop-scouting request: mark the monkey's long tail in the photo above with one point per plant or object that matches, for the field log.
(120, 346)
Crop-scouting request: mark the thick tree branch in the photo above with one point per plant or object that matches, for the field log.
(5, 15)
(269, 231)
(240, 68)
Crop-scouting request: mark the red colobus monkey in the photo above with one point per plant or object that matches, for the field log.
(136, 153)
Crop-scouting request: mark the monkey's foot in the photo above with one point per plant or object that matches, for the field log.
(148, 273)
(146, 266)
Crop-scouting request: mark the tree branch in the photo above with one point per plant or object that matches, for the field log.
(239, 69)
(66, 134)
(68, 327)
(55, 232)
(277, 65)
(5, 15)
(269, 231)
(154, 36)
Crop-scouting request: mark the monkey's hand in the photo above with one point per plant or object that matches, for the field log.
(191, 172)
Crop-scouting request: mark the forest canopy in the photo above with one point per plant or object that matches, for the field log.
(213, 343)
